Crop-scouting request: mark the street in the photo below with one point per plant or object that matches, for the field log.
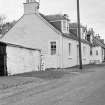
(70, 88)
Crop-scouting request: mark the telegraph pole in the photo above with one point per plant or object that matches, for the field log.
(79, 35)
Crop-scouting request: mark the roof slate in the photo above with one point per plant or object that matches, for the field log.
(97, 42)
(56, 17)
(73, 33)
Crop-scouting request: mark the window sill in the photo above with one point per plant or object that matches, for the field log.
(53, 55)
(70, 58)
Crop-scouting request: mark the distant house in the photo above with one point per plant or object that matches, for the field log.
(37, 42)
(98, 49)
(4, 28)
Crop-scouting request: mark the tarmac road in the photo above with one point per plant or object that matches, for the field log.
(87, 88)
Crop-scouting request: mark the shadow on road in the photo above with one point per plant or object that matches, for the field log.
(59, 73)
(48, 74)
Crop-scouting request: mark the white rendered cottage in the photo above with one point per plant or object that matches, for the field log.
(37, 42)
(28, 41)
(98, 50)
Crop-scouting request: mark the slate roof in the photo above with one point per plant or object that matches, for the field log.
(56, 17)
(56, 26)
(72, 35)
(73, 30)
(97, 42)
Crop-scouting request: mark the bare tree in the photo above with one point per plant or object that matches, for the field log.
(2, 21)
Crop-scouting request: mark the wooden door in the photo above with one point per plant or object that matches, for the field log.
(77, 54)
(3, 64)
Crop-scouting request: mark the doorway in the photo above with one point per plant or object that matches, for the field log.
(77, 54)
(3, 58)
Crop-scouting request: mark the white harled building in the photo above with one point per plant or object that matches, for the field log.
(38, 42)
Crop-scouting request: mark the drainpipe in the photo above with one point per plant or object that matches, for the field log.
(62, 54)
(40, 61)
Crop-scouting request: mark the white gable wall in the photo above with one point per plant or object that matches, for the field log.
(32, 32)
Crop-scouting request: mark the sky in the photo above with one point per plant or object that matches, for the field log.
(92, 12)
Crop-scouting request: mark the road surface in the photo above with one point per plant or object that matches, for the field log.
(87, 88)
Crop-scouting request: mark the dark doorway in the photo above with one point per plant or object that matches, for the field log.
(3, 58)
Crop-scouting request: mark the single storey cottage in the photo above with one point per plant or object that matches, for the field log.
(37, 42)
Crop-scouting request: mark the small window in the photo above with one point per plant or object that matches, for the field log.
(90, 51)
(53, 48)
(69, 48)
(88, 38)
(96, 52)
(84, 51)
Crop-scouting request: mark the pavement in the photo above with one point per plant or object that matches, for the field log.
(66, 87)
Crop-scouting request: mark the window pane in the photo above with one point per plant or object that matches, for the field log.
(96, 52)
(53, 48)
(69, 49)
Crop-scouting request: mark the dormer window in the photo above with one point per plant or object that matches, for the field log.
(65, 26)
(88, 38)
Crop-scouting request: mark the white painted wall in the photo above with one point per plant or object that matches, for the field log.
(85, 53)
(69, 61)
(73, 59)
(20, 60)
(51, 61)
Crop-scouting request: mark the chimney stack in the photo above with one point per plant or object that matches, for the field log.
(97, 36)
(31, 7)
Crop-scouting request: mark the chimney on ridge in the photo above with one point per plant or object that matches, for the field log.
(31, 7)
